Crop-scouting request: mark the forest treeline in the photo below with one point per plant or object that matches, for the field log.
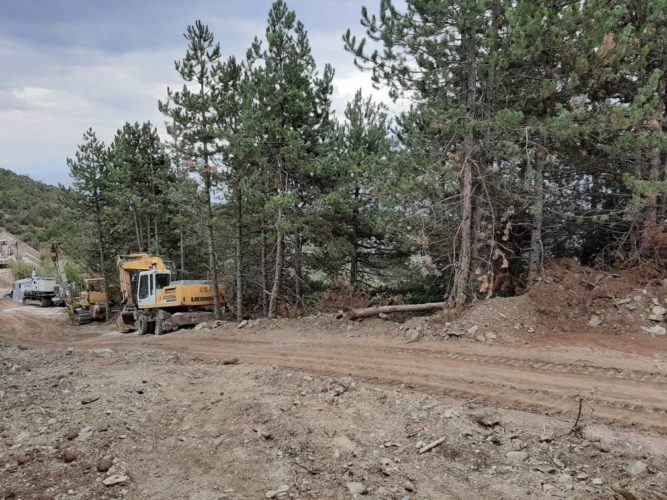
(534, 129)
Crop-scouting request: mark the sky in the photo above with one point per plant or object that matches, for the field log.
(66, 65)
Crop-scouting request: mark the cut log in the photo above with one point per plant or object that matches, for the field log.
(374, 311)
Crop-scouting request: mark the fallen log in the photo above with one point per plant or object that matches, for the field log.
(374, 311)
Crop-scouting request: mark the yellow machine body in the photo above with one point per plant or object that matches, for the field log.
(151, 298)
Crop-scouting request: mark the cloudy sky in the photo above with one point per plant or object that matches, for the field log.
(66, 65)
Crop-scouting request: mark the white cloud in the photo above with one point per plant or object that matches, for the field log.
(50, 93)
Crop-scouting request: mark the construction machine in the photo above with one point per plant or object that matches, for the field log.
(90, 303)
(40, 291)
(154, 301)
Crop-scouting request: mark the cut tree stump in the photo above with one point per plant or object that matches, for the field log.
(374, 311)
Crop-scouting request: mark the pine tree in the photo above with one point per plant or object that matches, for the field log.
(294, 120)
(446, 58)
(194, 124)
(142, 178)
(357, 169)
(90, 177)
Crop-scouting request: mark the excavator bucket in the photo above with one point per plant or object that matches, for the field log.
(125, 322)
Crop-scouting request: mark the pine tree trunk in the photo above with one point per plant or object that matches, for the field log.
(298, 274)
(655, 163)
(148, 233)
(157, 238)
(100, 243)
(182, 245)
(239, 255)
(140, 220)
(133, 207)
(278, 275)
(354, 266)
(462, 275)
(535, 260)
(217, 312)
(265, 277)
(463, 270)
(354, 258)
(657, 128)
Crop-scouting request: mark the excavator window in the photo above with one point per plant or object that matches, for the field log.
(162, 280)
(143, 287)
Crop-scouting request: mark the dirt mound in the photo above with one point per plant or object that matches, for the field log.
(574, 298)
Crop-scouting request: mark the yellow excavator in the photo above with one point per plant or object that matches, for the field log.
(89, 304)
(154, 302)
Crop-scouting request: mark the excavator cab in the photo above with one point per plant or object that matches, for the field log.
(93, 292)
(150, 283)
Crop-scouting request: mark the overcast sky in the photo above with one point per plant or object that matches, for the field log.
(66, 65)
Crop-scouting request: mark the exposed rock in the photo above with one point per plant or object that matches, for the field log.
(384, 316)
(115, 479)
(72, 434)
(595, 321)
(243, 324)
(408, 486)
(564, 479)
(516, 456)
(597, 481)
(590, 434)
(603, 447)
(355, 488)
(636, 468)
(546, 437)
(658, 310)
(473, 330)
(70, 456)
(486, 419)
(655, 330)
(414, 335)
(280, 492)
(344, 443)
(104, 464)
(103, 353)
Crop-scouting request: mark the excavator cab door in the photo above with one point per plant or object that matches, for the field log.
(146, 289)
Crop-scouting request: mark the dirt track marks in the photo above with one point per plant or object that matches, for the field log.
(619, 389)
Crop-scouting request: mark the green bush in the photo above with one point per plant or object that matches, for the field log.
(20, 270)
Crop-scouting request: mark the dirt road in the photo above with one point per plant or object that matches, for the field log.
(621, 388)
(324, 408)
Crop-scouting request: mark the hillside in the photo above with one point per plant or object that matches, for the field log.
(28, 207)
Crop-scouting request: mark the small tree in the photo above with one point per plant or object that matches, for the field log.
(90, 173)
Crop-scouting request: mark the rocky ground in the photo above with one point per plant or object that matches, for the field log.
(112, 423)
